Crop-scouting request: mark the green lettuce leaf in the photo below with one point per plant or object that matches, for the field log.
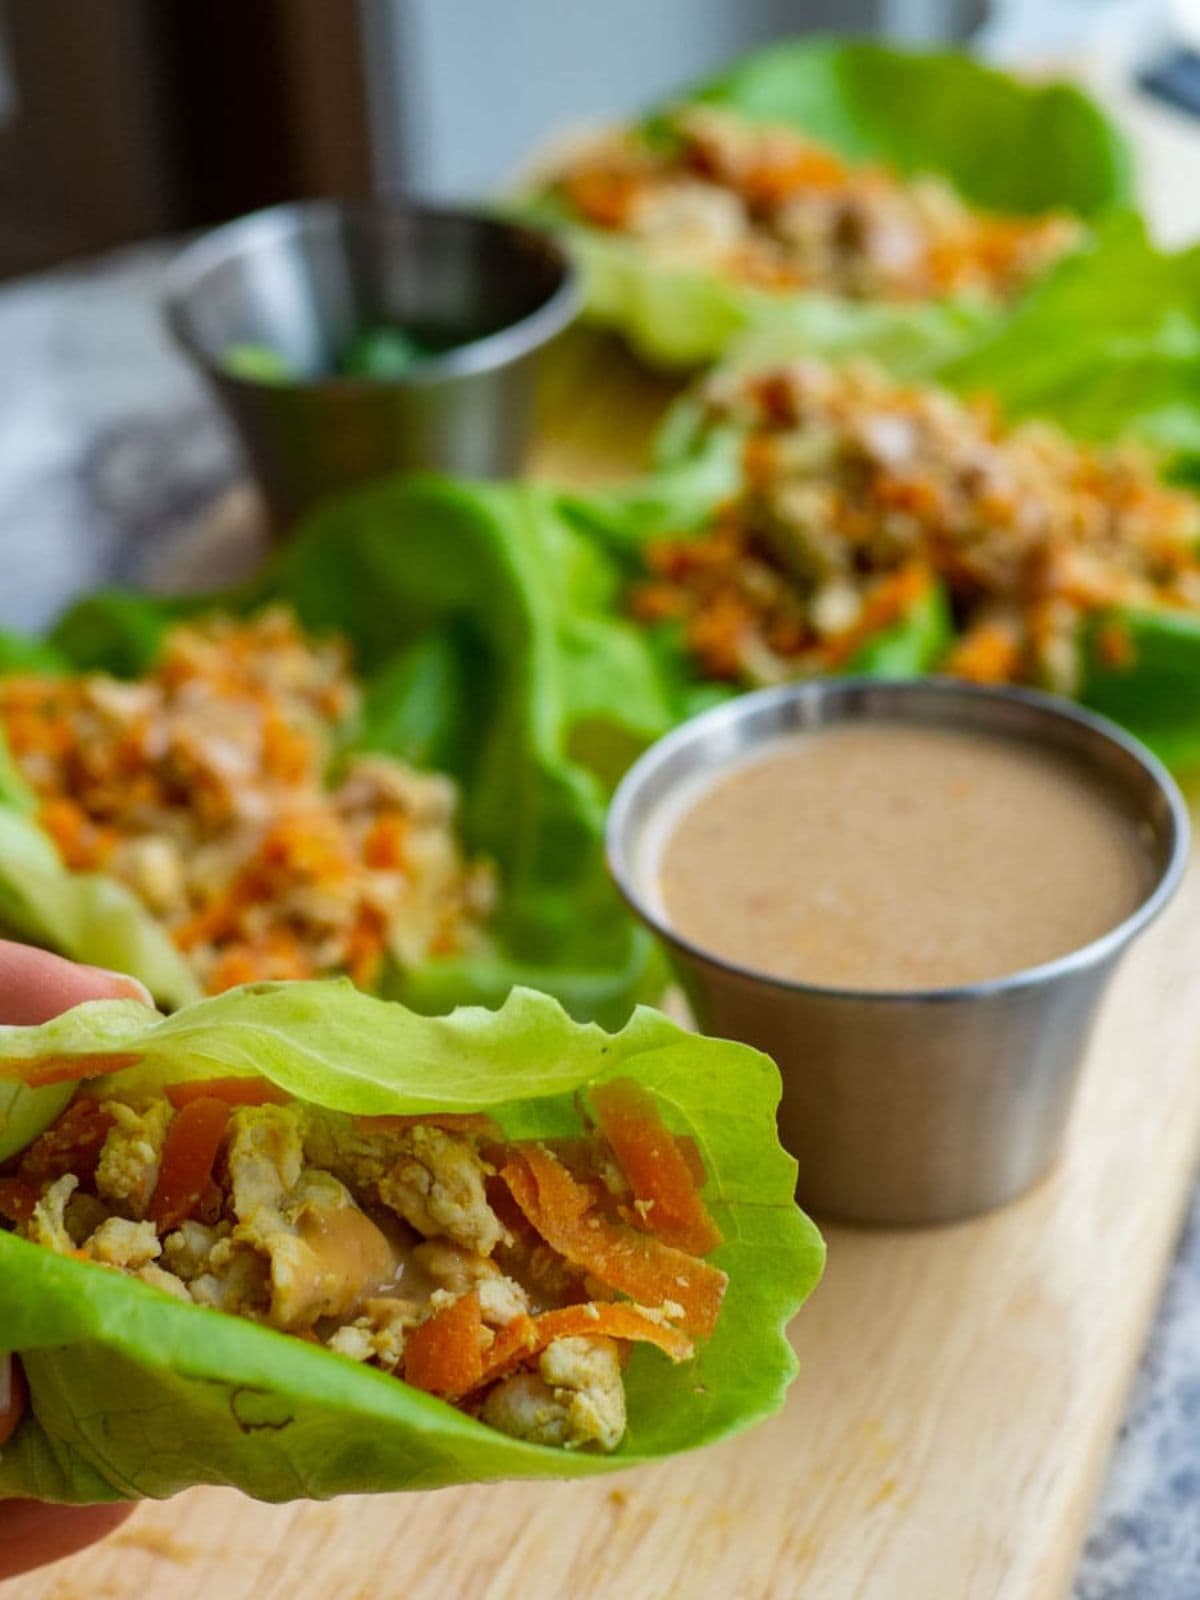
(437, 586)
(135, 1394)
(1005, 145)
(1106, 345)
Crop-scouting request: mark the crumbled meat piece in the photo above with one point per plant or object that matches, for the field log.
(188, 1251)
(432, 1178)
(458, 1271)
(326, 1256)
(124, 1244)
(265, 1154)
(437, 1186)
(236, 1279)
(575, 1399)
(129, 1161)
(378, 1334)
(48, 1225)
(158, 1278)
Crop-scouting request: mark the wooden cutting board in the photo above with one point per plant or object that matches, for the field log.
(959, 1391)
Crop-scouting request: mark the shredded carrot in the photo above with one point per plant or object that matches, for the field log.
(636, 1264)
(444, 1356)
(384, 846)
(185, 1176)
(214, 920)
(658, 1173)
(41, 1071)
(884, 604)
(231, 1091)
(17, 1200)
(603, 198)
(13, 1397)
(986, 653)
(365, 947)
(73, 1144)
(529, 1336)
(769, 183)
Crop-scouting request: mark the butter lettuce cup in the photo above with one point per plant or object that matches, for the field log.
(851, 186)
(305, 1242)
(356, 763)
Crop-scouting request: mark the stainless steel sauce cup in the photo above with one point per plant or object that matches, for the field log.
(304, 279)
(919, 1107)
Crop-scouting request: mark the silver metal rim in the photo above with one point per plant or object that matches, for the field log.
(1095, 953)
(485, 354)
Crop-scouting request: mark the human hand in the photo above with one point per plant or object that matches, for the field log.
(35, 986)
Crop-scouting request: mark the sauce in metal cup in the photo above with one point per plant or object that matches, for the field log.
(922, 1103)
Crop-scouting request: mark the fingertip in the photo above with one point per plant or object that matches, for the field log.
(119, 985)
(36, 985)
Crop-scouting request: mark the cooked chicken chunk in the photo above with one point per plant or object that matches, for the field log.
(324, 1253)
(575, 1399)
(265, 1157)
(432, 1178)
(129, 1161)
(188, 1251)
(236, 1279)
(158, 1278)
(124, 1244)
(378, 1334)
(48, 1225)
(458, 1271)
(437, 1186)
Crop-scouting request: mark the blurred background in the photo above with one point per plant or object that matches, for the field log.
(134, 118)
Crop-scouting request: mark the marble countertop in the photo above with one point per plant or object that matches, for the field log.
(115, 467)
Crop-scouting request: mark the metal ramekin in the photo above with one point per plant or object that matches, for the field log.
(920, 1107)
(302, 279)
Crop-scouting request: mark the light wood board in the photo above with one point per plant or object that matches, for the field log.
(959, 1390)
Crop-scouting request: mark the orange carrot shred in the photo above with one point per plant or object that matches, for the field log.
(637, 1264)
(528, 1336)
(444, 1356)
(231, 1091)
(189, 1152)
(44, 1070)
(657, 1170)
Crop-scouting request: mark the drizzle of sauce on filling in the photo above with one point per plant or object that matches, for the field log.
(352, 1258)
(896, 856)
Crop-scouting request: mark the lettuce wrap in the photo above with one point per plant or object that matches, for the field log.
(457, 661)
(1009, 147)
(1108, 348)
(136, 1394)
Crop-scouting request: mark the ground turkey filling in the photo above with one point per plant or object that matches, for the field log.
(213, 788)
(765, 206)
(861, 494)
(510, 1279)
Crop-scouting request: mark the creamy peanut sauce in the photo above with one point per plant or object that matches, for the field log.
(897, 856)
